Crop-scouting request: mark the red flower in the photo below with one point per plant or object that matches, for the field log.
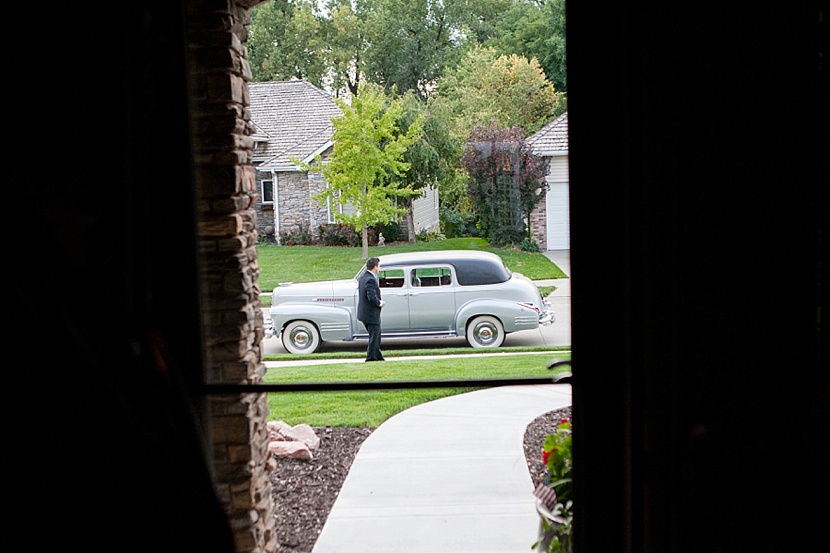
(545, 455)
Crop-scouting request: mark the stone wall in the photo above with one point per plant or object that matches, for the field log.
(294, 197)
(232, 318)
(264, 213)
(293, 194)
(539, 224)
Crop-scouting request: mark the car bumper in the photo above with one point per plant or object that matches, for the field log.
(548, 316)
(269, 328)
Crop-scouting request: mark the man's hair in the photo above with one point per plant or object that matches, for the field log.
(372, 262)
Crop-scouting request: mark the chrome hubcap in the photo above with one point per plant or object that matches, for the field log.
(301, 338)
(485, 334)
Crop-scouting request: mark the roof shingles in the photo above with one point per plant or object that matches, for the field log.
(295, 115)
(553, 137)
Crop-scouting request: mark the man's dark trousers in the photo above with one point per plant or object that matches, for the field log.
(373, 349)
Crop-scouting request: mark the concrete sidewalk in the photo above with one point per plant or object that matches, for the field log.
(448, 476)
(562, 259)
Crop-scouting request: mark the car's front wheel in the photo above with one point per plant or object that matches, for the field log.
(301, 337)
(485, 332)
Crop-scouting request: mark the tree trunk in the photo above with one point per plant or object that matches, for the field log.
(364, 233)
(410, 223)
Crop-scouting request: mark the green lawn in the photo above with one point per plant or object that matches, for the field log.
(370, 408)
(391, 351)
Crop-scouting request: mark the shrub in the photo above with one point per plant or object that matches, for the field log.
(335, 234)
(392, 231)
(455, 224)
(425, 236)
(299, 237)
(529, 244)
(506, 236)
(355, 237)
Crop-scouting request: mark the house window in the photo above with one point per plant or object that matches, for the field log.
(267, 192)
(339, 208)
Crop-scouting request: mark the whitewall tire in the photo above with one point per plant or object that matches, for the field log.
(301, 337)
(485, 332)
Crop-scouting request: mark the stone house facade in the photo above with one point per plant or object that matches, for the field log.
(292, 121)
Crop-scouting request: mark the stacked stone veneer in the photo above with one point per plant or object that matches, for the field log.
(232, 318)
(297, 206)
(294, 193)
(539, 225)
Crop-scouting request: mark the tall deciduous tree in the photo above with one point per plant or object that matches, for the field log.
(412, 42)
(406, 44)
(433, 158)
(534, 29)
(286, 40)
(506, 182)
(368, 150)
(346, 39)
(509, 91)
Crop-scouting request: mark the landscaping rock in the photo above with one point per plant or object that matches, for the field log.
(292, 450)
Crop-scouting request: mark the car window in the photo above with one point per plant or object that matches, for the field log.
(431, 276)
(472, 272)
(391, 278)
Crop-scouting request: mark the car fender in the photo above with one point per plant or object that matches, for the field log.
(513, 316)
(334, 323)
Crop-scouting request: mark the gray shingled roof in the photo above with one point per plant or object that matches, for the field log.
(295, 116)
(553, 137)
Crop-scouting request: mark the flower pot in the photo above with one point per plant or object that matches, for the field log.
(554, 532)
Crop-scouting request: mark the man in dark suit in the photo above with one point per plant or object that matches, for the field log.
(368, 307)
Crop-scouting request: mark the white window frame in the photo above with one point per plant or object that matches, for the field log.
(262, 189)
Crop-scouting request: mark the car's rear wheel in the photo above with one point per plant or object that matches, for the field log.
(301, 337)
(485, 332)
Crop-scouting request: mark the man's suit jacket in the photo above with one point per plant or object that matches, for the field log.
(368, 305)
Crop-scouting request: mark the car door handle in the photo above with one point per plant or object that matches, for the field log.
(414, 293)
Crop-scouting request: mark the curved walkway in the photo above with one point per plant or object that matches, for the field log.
(448, 476)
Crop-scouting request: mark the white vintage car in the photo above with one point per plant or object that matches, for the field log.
(427, 294)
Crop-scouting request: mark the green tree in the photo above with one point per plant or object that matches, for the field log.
(414, 41)
(535, 29)
(345, 34)
(368, 149)
(287, 40)
(511, 91)
(432, 159)
(506, 182)
(410, 40)
(406, 44)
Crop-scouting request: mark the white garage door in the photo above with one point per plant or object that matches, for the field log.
(559, 223)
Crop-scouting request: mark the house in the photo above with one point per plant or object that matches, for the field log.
(293, 120)
(550, 221)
